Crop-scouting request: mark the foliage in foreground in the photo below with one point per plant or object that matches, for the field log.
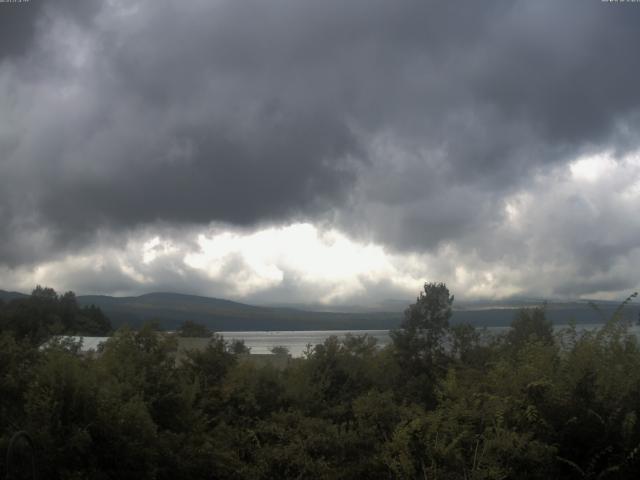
(45, 313)
(440, 402)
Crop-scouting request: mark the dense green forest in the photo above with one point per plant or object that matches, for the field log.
(440, 402)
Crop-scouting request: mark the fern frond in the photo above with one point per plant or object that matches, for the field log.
(573, 465)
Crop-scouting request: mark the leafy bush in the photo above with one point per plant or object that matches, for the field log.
(439, 402)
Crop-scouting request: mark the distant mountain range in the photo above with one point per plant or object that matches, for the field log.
(171, 309)
(6, 296)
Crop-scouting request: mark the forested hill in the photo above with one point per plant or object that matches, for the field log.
(171, 309)
(8, 296)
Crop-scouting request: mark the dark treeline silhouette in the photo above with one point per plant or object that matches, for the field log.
(439, 402)
(45, 313)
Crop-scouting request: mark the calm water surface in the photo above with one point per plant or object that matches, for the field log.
(297, 341)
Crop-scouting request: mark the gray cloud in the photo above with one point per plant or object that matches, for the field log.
(17, 27)
(408, 123)
(21, 22)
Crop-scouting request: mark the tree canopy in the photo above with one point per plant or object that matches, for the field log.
(45, 313)
(190, 328)
(438, 402)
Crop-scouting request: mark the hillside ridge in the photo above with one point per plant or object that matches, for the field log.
(170, 309)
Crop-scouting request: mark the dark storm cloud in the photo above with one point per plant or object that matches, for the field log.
(221, 178)
(17, 27)
(405, 122)
(19, 22)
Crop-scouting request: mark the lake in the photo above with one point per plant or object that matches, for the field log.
(296, 341)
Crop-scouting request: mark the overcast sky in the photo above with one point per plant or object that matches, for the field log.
(321, 151)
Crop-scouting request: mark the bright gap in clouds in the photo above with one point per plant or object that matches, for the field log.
(301, 251)
(592, 168)
(583, 211)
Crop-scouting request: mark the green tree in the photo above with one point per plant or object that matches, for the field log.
(466, 345)
(530, 324)
(190, 328)
(425, 322)
(419, 341)
(45, 313)
(90, 320)
(280, 350)
(238, 347)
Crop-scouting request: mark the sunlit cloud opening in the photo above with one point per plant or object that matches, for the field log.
(301, 251)
(592, 168)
